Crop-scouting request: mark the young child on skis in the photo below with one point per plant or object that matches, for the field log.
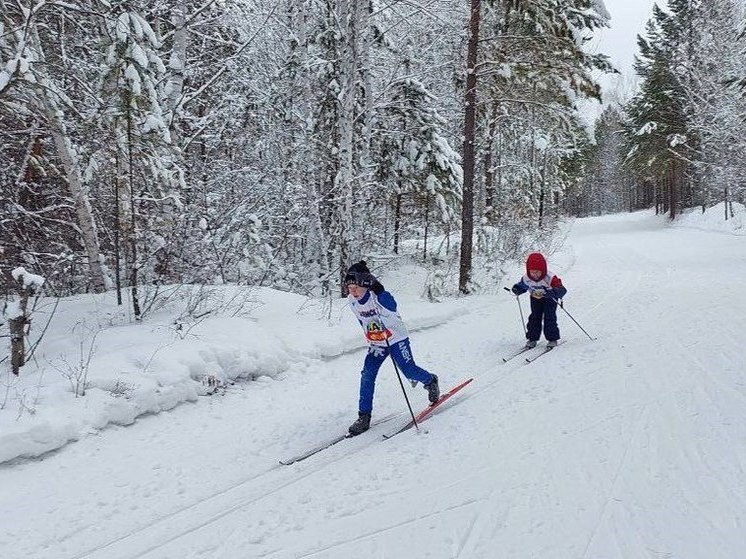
(545, 289)
(375, 309)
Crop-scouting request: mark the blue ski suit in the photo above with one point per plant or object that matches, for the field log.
(386, 334)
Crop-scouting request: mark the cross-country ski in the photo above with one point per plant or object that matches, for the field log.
(429, 410)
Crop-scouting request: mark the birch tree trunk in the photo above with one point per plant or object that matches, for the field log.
(83, 212)
(318, 246)
(364, 9)
(489, 172)
(47, 100)
(176, 65)
(345, 126)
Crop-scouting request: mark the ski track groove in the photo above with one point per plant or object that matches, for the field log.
(227, 490)
(234, 508)
(467, 536)
(238, 506)
(176, 512)
(244, 503)
(612, 486)
(545, 449)
(374, 533)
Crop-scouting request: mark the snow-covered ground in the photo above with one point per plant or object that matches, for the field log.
(629, 446)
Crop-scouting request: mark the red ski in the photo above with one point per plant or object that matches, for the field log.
(424, 414)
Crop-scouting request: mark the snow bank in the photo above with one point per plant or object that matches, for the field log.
(713, 219)
(96, 368)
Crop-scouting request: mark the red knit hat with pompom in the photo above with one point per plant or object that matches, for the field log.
(536, 261)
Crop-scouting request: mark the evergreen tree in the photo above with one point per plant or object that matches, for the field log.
(606, 184)
(130, 89)
(535, 71)
(417, 161)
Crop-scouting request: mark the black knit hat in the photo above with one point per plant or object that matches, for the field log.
(357, 268)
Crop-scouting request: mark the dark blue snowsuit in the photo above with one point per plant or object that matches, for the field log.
(543, 308)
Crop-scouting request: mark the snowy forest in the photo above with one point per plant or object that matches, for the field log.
(250, 142)
(678, 141)
(273, 143)
(194, 356)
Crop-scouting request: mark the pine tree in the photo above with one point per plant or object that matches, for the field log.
(659, 137)
(134, 68)
(606, 184)
(535, 71)
(416, 159)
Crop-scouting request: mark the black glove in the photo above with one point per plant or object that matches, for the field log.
(365, 279)
(377, 287)
(515, 290)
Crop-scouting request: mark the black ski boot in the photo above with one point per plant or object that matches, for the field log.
(361, 425)
(433, 390)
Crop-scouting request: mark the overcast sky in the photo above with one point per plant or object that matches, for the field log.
(628, 18)
(619, 42)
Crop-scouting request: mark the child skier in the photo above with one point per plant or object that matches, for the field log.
(545, 289)
(375, 309)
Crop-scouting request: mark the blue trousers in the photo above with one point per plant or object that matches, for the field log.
(546, 309)
(401, 353)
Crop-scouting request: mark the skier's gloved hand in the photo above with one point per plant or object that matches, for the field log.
(515, 290)
(365, 279)
(377, 287)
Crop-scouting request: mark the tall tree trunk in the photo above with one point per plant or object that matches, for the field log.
(176, 64)
(318, 249)
(494, 144)
(542, 191)
(499, 187)
(345, 126)
(489, 172)
(133, 221)
(78, 191)
(470, 99)
(726, 198)
(364, 9)
(118, 229)
(397, 221)
(83, 211)
(674, 186)
(427, 224)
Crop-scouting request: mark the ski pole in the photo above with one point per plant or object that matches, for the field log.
(520, 310)
(562, 306)
(398, 374)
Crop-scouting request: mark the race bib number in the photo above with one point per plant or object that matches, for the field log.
(377, 334)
